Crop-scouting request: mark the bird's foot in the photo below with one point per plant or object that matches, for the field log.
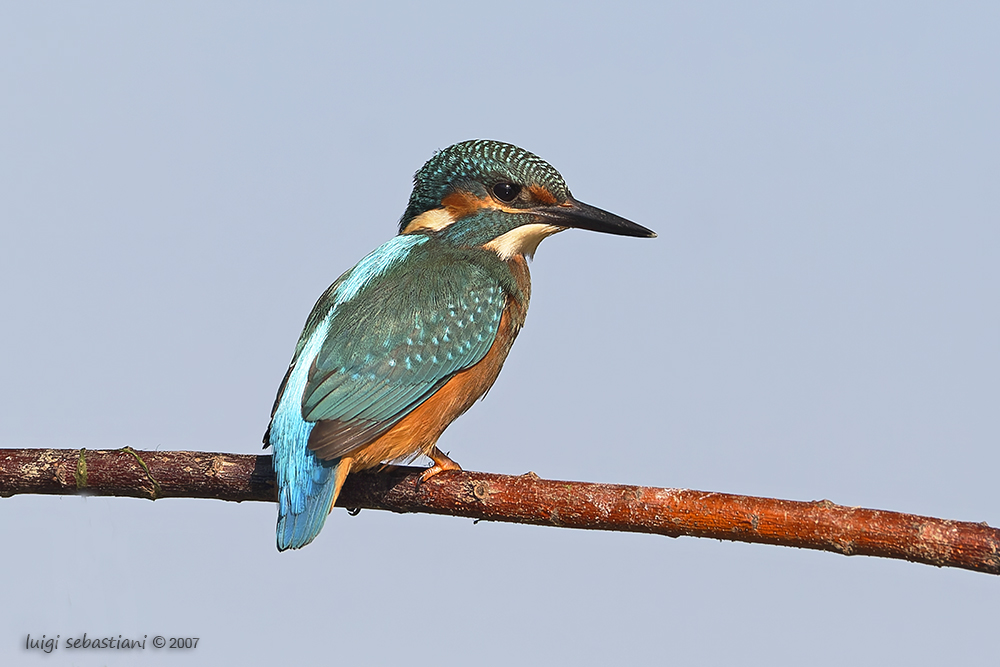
(441, 463)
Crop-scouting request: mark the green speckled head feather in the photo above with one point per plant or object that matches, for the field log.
(471, 163)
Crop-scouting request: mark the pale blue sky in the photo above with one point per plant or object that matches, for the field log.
(817, 319)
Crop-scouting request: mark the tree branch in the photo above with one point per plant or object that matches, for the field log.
(525, 499)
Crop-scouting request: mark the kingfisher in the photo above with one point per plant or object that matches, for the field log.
(406, 341)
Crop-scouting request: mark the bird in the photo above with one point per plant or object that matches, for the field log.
(410, 338)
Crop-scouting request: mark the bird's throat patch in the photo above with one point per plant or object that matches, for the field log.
(521, 240)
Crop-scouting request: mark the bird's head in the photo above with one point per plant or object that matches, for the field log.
(487, 193)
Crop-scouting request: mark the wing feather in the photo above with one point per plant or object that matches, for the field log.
(395, 343)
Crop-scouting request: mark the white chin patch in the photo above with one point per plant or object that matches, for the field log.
(522, 240)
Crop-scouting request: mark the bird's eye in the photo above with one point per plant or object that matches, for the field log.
(506, 191)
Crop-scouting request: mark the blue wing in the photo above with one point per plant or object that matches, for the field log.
(379, 342)
(395, 344)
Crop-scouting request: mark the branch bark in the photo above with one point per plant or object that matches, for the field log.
(525, 499)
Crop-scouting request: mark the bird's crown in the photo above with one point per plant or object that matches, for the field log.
(475, 165)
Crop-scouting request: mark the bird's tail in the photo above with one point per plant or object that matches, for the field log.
(303, 507)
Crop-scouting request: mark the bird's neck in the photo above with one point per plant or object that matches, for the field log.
(518, 267)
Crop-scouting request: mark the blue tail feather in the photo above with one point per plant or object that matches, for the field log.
(301, 515)
(306, 484)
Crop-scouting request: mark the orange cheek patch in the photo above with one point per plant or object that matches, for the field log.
(461, 203)
(542, 194)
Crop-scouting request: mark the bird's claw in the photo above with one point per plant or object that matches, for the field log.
(441, 464)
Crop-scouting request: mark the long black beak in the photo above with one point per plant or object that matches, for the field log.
(584, 216)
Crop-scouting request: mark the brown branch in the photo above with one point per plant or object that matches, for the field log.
(525, 499)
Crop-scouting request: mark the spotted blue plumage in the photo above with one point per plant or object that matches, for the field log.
(405, 335)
